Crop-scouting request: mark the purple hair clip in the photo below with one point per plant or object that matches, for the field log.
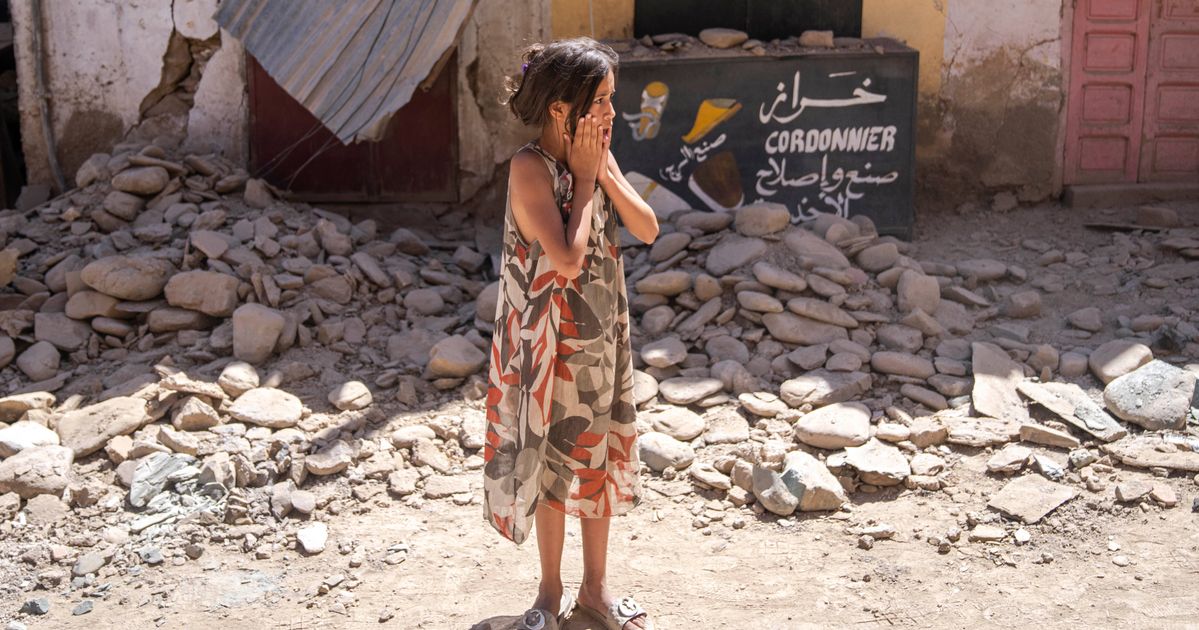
(524, 67)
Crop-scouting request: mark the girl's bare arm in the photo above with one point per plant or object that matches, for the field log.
(637, 216)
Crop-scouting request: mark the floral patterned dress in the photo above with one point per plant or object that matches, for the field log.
(560, 411)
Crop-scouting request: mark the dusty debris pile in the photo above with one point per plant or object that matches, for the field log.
(191, 361)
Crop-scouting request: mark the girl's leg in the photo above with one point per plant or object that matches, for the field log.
(593, 592)
(550, 526)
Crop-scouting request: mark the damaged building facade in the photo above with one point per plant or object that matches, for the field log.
(1016, 101)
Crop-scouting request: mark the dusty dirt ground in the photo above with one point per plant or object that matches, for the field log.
(798, 572)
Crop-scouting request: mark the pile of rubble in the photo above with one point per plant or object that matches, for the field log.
(179, 340)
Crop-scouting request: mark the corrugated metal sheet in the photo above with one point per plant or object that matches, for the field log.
(352, 63)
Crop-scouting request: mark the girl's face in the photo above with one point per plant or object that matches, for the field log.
(601, 106)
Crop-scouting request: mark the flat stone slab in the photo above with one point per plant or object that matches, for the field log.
(995, 379)
(1030, 498)
(980, 432)
(1070, 403)
(1150, 451)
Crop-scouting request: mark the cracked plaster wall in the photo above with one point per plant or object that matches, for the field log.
(991, 92)
(996, 121)
(103, 59)
(491, 41)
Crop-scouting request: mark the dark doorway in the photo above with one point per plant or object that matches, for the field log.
(416, 160)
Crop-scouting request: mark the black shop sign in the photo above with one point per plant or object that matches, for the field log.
(831, 132)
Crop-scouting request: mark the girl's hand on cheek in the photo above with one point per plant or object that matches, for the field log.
(603, 175)
(584, 150)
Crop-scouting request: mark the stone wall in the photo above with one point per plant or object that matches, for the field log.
(130, 72)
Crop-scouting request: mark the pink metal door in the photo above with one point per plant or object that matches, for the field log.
(1107, 87)
(1170, 146)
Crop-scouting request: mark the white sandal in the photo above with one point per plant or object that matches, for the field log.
(620, 613)
(542, 619)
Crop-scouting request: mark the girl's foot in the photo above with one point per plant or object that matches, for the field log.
(549, 598)
(599, 598)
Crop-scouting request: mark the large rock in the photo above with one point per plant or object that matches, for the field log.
(195, 415)
(1030, 498)
(732, 252)
(822, 387)
(812, 248)
(811, 482)
(821, 311)
(208, 292)
(774, 276)
(772, 492)
(25, 434)
(331, 459)
(37, 470)
(722, 37)
(659, 450)
(487, 304)
(170, 319)
(15, 407)
(88, 429)
(351, 396)
(664, 353)
(836, 426)
(902, 364)
(878, 463)
(65, 333)
(679, 423)
(455, 357)
(8, 351)
(256, 330)
(238, 378)
(88, 304)
(791, 328)
(130, 278)
(267, 407)
(664, 283)
(760, 219)
(878, 257)
(1072, 404)
(142, 180)
(1156, 396)
(996, 377)
(39, 361)
(1117, 358)
(123, 205)
(918, 291)
(684, 390)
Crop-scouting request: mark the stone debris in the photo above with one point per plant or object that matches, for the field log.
(192, 354)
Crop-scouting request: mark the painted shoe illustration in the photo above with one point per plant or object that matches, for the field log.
(711, 113)
(646, 123)
(717, 182)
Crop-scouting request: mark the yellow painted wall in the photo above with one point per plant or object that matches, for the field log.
(613, 19)
(919, 23)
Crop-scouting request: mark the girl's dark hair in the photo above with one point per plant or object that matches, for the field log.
(567, 70)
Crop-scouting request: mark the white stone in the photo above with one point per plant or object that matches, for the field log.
(836, 426)
(25, 434)
(312, 538)
(267, 407)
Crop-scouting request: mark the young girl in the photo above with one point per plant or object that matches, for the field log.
(561, 418)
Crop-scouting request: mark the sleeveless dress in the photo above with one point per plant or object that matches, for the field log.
(560, 411)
